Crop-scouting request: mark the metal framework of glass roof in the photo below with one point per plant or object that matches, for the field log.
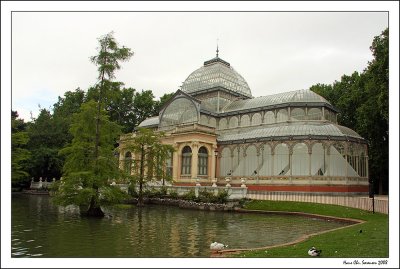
(216, 73)
(299, 96)
(149, 122)
(289, 130)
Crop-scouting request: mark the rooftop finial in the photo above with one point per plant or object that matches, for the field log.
(217, 48)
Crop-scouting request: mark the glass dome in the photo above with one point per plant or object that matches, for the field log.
(216, 73)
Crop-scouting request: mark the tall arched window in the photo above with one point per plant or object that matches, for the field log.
(269, 117)
(282, 115)
(212, 122)
(223, 124)
(298, 114)
(245, 121)
(266, 168)
(186, 160)
(300, 159)
(256, 119)
(204, 120)
(319, 160)
(314, 114)
(233, 122)
(281, 161)
(251, 161)
(128, 163)
(203, 161)
(226, 162)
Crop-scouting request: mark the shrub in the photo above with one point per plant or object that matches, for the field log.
(207, 197)
(149, 193)
(163, 192)
(191, 196)
(132, 190)
(173, 195)
(222, 197)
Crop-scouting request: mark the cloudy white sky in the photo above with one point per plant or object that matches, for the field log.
(273, 51)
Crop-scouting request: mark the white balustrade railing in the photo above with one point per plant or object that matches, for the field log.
(41, 184)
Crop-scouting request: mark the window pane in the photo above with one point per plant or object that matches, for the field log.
(180, 111)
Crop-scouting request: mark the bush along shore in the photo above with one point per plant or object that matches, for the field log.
(189, 204)
(204, 200)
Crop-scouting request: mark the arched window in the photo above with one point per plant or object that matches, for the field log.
(319, 160)
(298, 114)
(204, 120)
(203, 161)
(251, 161)
(314, 114)
(223, 124)
(269, 117)
(337, 165)
(128, 162)
(281, 162)
(212, 122)
(233, 122)
(226, 162)
(266, 168)
(330, 116)
(186, 160)
(245, 121)
(300, 159)
(256, 119)
(282, 115)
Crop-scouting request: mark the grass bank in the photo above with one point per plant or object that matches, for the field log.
(367, 240)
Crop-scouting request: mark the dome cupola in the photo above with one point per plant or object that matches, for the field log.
(213, 75)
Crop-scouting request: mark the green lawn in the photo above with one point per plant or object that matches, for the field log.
(372, 242)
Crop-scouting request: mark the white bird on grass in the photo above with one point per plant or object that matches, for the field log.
(314, 252)
(217, 246)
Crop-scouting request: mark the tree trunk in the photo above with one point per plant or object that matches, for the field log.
(140, 199)
(94, 210)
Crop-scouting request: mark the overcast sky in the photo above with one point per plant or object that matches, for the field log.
(274, 52)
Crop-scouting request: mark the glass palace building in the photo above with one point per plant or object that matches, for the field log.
(283, 142)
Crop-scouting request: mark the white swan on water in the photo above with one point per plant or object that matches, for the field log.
(217, 246)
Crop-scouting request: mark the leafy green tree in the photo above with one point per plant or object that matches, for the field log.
(150, 157)
(19, 153)
(85, 174)
(45, 140)
(363, 102)
(63, 110)
(143, 106)
(126, 106)
(373, 112)
(118, 102)
(107, 60)
(90, 160)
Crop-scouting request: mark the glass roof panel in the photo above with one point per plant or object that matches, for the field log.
(179, 111)
(289, 129)
(216, 73)
(149, 122)
(300, 96)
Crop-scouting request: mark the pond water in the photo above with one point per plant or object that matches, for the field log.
(41, 229)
